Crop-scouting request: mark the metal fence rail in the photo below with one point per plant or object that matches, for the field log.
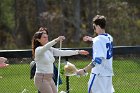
(126, 64)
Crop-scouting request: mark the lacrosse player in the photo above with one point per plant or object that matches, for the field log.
(101, 66)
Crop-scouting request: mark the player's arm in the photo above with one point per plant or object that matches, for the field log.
(88, 67)
(85, 70)
(97, 60)
(87, 38)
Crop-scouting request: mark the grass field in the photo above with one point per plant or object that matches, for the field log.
(15, 78)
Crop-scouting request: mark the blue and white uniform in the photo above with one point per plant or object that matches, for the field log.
(101, 75)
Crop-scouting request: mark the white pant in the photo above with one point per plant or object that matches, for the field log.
(100, 84)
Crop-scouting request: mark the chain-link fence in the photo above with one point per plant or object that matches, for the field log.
(16, 77)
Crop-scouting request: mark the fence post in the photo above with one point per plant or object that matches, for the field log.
(67, 80)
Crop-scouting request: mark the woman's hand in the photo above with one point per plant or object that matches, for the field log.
(60, 38)
(83, 52)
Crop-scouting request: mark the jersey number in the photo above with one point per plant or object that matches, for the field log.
(109, 47)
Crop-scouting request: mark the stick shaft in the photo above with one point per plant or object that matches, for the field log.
(59, 67)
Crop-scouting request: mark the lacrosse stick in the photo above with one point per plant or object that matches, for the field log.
(71, 70)
(59, 66)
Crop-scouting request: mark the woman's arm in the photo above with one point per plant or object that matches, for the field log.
(58, 52)
(86, 69)
(48, 45)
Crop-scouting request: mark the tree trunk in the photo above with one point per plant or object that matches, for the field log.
(90, 17)
(77, 21)
(41, 8)
(21, 35)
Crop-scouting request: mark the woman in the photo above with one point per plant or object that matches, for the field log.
(44, 57)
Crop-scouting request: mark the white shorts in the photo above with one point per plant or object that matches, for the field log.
(100, 84)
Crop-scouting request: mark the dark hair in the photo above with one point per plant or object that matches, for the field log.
(100, 20)
(37, 35)
(43, 29)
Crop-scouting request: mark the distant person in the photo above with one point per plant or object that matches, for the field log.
(44, 53)
(2, 62)
(101, 66)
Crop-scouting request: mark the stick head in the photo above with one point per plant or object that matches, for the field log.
(70, 69)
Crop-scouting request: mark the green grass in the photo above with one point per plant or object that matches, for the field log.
(16, 79)
(127, 76)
